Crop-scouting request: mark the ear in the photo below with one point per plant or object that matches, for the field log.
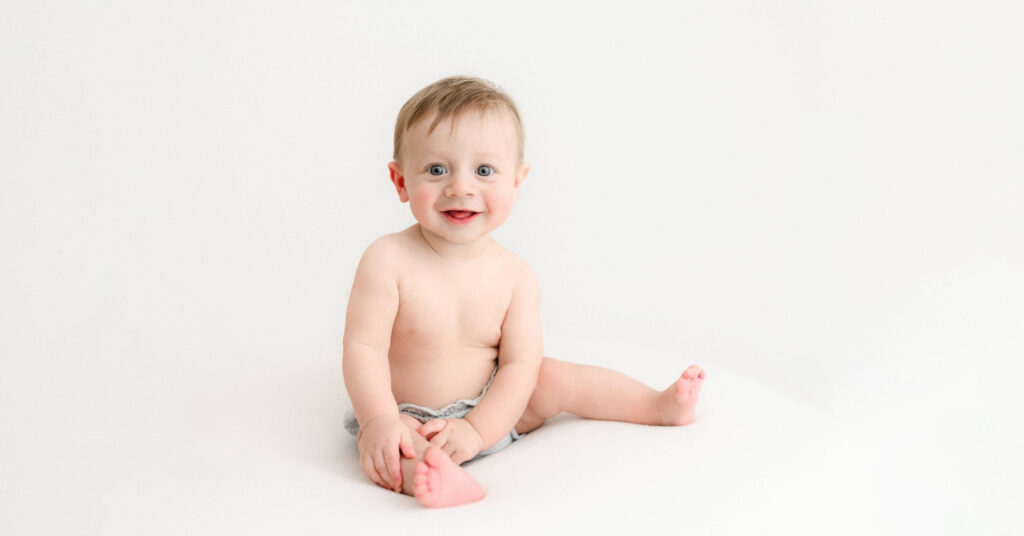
(398, 180)
(521, 172)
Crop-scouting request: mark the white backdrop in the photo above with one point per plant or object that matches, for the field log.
(823, 197)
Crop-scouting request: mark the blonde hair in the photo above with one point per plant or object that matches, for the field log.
(452, 97)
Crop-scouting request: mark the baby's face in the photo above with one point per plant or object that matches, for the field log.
(469, 165)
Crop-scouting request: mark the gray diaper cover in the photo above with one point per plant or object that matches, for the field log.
(455, 410)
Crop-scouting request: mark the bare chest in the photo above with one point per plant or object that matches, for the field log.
(452, 311)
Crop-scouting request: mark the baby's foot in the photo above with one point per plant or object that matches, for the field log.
(439, 482)
(678, 402)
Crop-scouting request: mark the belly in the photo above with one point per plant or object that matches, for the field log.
(436, 378)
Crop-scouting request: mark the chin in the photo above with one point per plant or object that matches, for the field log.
(463, 240)
(456, 237)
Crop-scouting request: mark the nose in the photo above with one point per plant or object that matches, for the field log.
(460, 185)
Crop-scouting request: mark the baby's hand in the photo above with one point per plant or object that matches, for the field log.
(380, 442)
(456, 437)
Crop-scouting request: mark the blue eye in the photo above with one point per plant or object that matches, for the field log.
(436, 170)
(484, 171)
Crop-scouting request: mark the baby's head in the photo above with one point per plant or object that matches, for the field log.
(451, 98)
(459, 150)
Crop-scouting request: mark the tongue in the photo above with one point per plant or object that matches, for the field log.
(460, 213)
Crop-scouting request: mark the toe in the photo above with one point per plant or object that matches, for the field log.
(423, 489)
(434, 457)
(421, 480)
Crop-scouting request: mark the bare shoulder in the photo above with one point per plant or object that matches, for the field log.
(379, 256)
(387, 251)
(521, 272)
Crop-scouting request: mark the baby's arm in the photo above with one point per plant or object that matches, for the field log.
(372, 307)
(520, 353)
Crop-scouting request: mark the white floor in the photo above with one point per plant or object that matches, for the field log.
(264, 453)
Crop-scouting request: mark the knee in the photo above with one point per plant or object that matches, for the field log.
(547, 376)
(550, 388)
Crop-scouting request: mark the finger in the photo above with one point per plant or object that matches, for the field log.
(375, 466)
(440, 438)
(407, 447)
(449, 449)
(382, 469)
(431, 427)
(394, 469)
(371, 473)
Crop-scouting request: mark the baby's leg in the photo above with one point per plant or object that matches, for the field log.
(599, 393)
(433, 478)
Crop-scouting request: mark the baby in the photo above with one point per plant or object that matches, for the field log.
(443, 353)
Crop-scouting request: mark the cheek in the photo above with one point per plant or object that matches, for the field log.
(422, 198)
(500, 206)
(421, 203)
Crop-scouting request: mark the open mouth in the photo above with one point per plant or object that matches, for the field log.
(460, 216)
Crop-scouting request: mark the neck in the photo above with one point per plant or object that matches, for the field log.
(452, 251)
